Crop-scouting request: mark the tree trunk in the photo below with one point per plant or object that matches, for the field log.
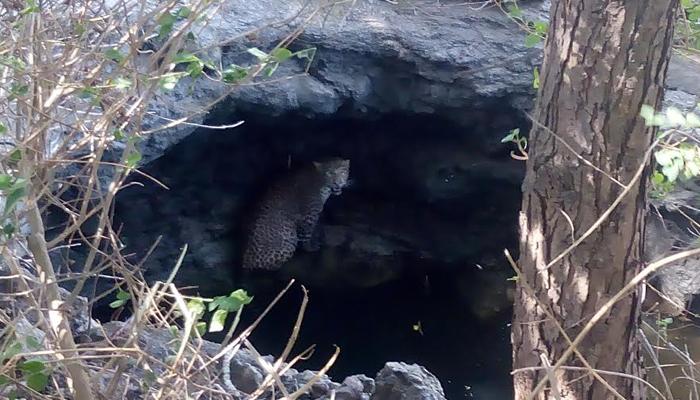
(603, 60)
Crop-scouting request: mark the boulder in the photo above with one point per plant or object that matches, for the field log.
(394, 381)
(401, 381)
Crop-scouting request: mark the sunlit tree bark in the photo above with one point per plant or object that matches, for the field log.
(603, 60)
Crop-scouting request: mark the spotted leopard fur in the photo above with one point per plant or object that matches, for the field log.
(289, 212)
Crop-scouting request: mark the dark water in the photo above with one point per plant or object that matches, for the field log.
(468, 353)
(678, 351)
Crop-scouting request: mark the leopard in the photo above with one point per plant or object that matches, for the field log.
(288, 213)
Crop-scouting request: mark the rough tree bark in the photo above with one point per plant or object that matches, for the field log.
(603, 60)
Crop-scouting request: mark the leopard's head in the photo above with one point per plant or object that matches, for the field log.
(336, 173)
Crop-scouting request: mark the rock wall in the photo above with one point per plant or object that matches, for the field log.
(372, 58)
(449, 60)
(461, 68)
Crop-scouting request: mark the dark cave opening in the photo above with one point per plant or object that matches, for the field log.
(411, 268)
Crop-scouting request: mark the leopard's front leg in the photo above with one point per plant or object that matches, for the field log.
(309, 232)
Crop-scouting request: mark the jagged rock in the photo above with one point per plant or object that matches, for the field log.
(678, 281)
(246, 374)
(78, 314)
(401, 381)
(372, 57)
(355, 387)
(395, 379)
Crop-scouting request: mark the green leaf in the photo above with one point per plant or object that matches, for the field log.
(8, 229)
(195, 69)
(118, 134)
(169, 81)
(218, 320)
(3, 129)
(184, 12)
(687, 152)
(281, 54)
(657, 178)
(508, 138)
(692, 169)
(196, 307)
(133, 159)
(18, 90)
(664, 323)
(5, 182)
(675, 116)
(242, 296)
(693, 121)
(306, 53)
(115, 55)
(19, 183)
(659, 120)
(13, 62)
(201, 328)
(259, 54)
(88, 93)
(12, 199)
(117, 303)
(234, 74)
(33, 343)
(651, 117)
(227, 303)
(11, 351)
(4, 380)
(31, 8)
(694, 15)
(210, 65)
(270, 69)
(173, 330)
(185, 57)
(532, 40)
(647, 112)
(122, 83)
(32, 366)
(123, 295)
(665, 157)
(38, 381)
(515, 12)
(166, 22)
(541, 27)
(512, 136)
(671, 172)
(16, 156)
(80, 29)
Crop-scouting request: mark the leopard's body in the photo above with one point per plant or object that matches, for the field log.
(289, 212)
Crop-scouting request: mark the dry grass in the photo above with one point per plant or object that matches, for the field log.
(77, 77)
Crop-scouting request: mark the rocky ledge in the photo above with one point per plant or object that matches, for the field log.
(396, 381)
